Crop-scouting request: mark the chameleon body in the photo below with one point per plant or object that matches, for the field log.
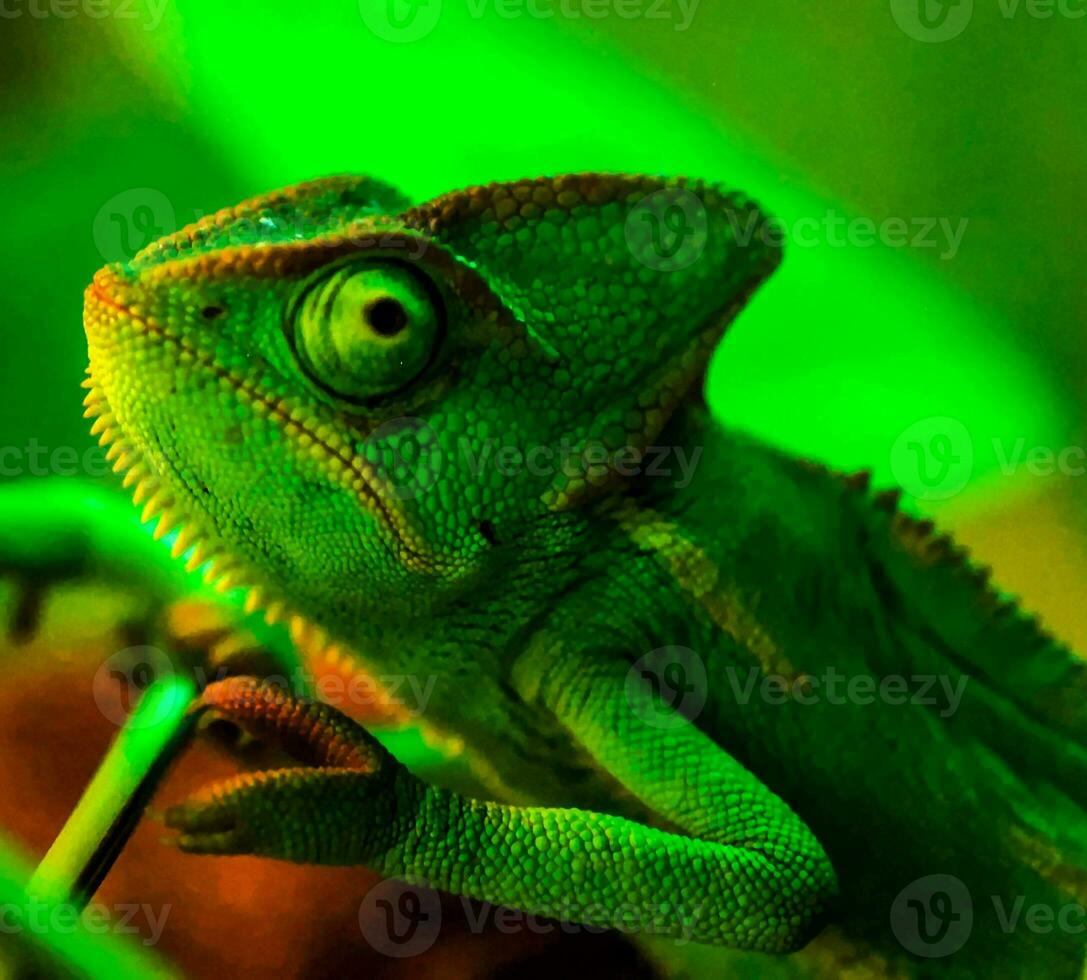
(423, 434)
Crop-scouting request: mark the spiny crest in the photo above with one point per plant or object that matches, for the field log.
(1009, 648)
(923, 540)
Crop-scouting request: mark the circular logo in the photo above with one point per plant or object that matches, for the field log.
(666, 230)
(131, 221)
(933, 916)
(932, 21)
(667, 688)
(400, 919)
(933, 459)
(406, 456)
(400, 20)
(122, 679)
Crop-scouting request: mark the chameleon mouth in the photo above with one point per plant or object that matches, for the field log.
(322, 441)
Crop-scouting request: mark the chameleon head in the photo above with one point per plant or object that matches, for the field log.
(361, 405)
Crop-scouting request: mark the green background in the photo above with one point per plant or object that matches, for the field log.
(124, 120)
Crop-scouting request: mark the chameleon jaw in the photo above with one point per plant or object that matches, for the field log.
(223, 571)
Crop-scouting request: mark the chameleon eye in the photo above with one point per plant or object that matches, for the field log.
(364, 330)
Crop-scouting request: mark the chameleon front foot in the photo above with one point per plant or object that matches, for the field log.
(313, 812)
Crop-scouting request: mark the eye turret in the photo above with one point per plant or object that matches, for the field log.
(363, 330)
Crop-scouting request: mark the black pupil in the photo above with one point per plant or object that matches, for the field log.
(386, 316)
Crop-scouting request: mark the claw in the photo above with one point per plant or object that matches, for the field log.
(276, 812)
(310, 732)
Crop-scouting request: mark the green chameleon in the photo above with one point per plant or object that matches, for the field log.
(710, 693)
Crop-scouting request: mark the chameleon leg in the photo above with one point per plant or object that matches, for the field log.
(741, 870)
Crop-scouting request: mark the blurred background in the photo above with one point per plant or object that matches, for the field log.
(925, 159)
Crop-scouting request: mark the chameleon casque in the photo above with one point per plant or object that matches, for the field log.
(306, 385)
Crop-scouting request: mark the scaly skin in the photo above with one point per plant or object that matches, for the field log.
(328, 388)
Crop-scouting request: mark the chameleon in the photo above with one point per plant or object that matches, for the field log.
(429, 436)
